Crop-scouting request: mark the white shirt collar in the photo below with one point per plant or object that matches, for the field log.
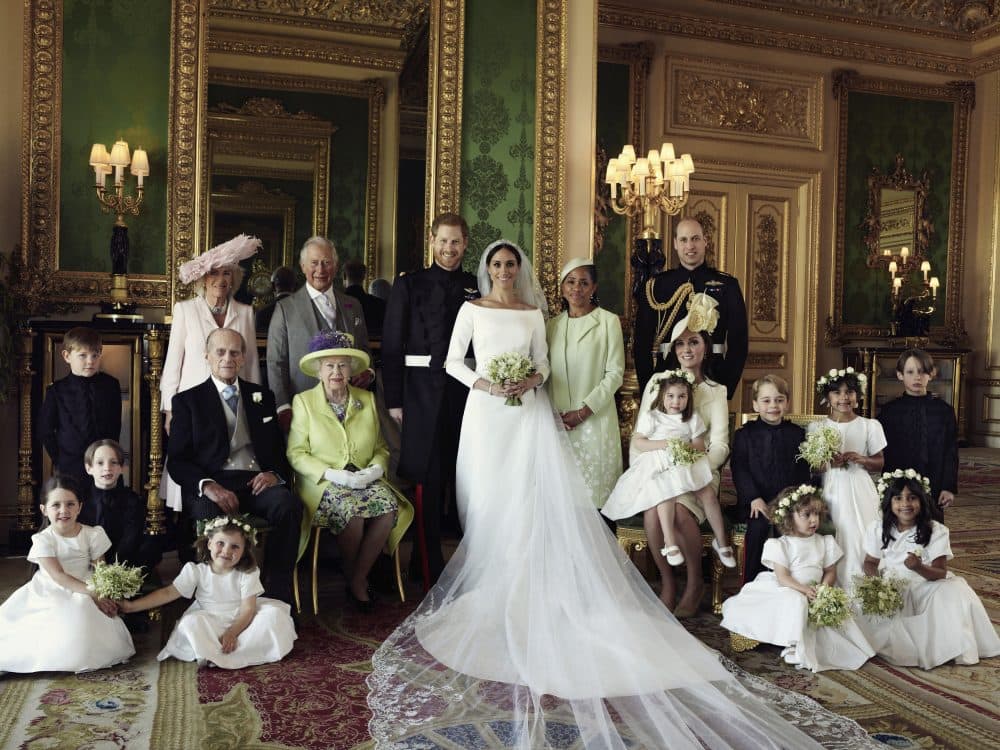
(314, 292)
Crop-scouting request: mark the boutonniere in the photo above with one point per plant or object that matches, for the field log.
(257, 397)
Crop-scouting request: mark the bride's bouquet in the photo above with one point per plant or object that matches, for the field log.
(116, 581)
(510, 367)
(682, 453)
(879, 596)
(819, 447)
(830, 607)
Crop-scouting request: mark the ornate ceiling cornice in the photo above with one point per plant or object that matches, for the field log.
(953, 19)
(379, 18)
(649, 21)
(259, 45)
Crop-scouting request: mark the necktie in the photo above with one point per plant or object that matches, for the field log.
(231, 396)
(327, 309)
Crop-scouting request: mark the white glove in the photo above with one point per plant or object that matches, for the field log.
(343, 478)
(369, 475)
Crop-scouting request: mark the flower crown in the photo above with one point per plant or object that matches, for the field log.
(888, 477)
(214, 524)
(788, 501)
(654, 382)
(856, 381)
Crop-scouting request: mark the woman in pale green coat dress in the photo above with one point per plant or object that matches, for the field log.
(587, 357)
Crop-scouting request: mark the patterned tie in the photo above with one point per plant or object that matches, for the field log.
(327, 309)
(231, 396)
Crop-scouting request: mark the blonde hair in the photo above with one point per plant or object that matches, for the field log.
(776, 381)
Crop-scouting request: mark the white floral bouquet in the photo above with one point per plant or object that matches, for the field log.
(682, 453)
(830, 607)
(819, 447)
(116, 581)
(510, 367)
(879, 596)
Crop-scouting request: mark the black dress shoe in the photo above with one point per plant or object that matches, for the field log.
(360, 604)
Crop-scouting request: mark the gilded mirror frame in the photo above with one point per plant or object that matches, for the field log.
(266, 138)
(920, 225)
(40, 285)
(962, 95)
(373, 91)
(251, 199)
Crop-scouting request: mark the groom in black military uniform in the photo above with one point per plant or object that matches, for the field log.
(663, 301)
(419, 394)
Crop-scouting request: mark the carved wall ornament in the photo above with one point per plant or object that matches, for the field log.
(757, 360)
(672, 23)
(262, 106)
(720, 99)
(384, 18)
(766, 270)
(249, 44)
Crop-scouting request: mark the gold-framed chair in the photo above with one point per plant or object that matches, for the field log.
(316, 532)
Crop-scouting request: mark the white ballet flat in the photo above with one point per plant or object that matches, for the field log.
(725, 554)
(673, 554)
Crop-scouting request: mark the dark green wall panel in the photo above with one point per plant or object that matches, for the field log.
(613, 83)
(116, 84)
(498, 117)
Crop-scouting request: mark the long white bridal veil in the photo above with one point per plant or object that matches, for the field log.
(541, 634)
(527, 285)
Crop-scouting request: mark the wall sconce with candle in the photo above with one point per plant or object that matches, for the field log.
(658, 182)
(121, 306)
(912, 302)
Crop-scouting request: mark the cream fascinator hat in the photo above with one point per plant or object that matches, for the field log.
(229, 253)
(571, 265)
(702, 316)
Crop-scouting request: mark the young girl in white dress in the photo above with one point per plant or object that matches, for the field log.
(229, 624)
(847, 484)
(57, 600)
(656, 479)
(774, 607)
(942, 618)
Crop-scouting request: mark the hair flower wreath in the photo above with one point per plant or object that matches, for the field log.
(888, 477)
(856, 381)
(214, 524)
(788, 502)
(680, 373)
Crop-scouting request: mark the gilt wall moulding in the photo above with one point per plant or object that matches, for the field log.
(291, 48)
(721, 99)
(646, 22)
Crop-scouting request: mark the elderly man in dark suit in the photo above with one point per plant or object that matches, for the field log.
(226, 453)
(297, 318)
(418, 324)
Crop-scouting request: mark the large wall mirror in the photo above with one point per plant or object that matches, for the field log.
(332, 62)
(901, 171)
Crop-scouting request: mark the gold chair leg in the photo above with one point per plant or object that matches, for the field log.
(740, 643)
(717, 570)
(316, 534)
(399, 575)
(295, 587)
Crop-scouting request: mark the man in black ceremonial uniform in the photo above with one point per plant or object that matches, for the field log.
(663, 301)
(419, 394)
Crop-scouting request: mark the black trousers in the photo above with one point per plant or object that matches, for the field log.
(758, 532)
(283, 513)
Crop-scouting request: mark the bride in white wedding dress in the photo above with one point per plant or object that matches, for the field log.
(540, 633)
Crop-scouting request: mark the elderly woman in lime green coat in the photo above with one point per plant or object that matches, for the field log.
(339, 456)
(587, 357)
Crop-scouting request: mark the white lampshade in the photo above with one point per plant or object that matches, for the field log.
(688, 163)
(120, 155)
(934, 282)
(641, 168)
(99, 154)
(653, 157)
(140, 163)
(667, 152)
(627, 155)
(925, 266)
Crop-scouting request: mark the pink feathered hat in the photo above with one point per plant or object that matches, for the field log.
(229, 253)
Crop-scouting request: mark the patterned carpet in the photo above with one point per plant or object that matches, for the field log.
(315, 698)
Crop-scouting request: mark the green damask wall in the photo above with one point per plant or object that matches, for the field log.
(498, 124)
(613, 81)
(348, 156)
(115, 84)
(878, 128)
